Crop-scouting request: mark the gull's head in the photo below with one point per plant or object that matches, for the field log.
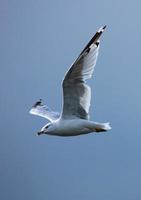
(47, 129)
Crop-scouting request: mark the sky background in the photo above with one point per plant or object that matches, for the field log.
(38, 42)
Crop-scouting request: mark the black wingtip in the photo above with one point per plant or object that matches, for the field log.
(101, 29)
(38, 103)
(104, 26)
(94, 39)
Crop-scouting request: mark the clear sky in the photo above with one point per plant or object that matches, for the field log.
(38, 42)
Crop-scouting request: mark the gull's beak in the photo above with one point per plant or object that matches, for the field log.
(40, 133)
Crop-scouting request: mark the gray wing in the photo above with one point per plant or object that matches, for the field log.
(43, 111)
(76, 93)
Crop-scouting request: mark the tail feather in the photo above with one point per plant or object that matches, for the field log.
(106, 126)
(101, 127)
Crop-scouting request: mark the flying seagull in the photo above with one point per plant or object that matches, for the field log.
(74, 117)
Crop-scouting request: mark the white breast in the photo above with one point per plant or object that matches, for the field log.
(71, 127)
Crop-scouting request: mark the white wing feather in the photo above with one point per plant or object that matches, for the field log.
(76, 93)
(43, 111)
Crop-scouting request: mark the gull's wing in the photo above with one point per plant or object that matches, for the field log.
(76, 94)
(43, 111)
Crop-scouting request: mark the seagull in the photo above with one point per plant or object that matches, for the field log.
(74, 117)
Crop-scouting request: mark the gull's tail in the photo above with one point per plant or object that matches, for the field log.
(100, 127)
(107, 126)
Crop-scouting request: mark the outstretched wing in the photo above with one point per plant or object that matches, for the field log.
(43, 111)
(76, 94)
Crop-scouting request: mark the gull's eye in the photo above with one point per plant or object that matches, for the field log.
(47, 126)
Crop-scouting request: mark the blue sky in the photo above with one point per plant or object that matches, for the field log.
(39, 41)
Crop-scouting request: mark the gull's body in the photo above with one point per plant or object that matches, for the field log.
(74, 118)
(72, 127)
